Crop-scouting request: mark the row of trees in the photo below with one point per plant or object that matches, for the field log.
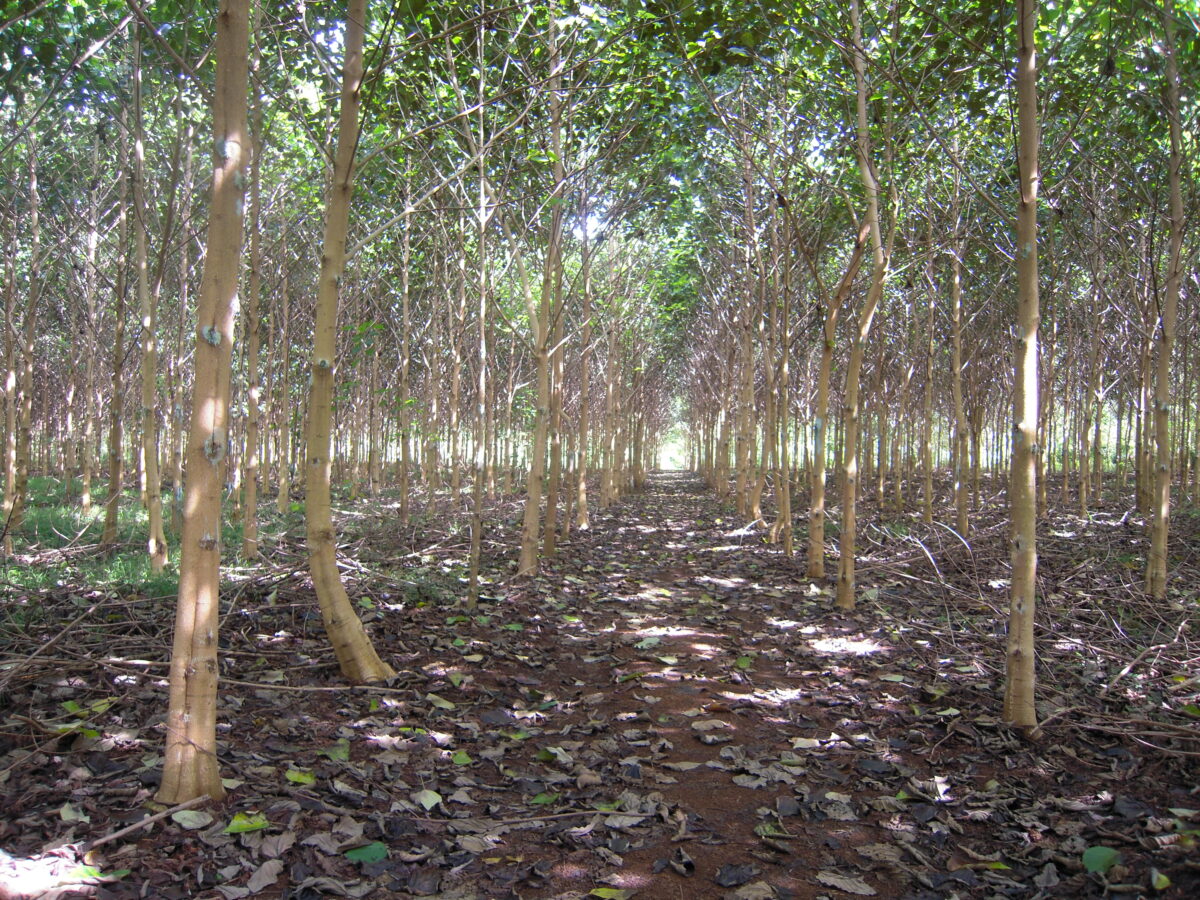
(479, 250)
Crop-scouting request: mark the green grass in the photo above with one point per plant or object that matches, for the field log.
(54, 523)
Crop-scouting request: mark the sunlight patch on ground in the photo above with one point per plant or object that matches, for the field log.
(859, 647)
(773, 698)
(666, 631)
(785, 624)
(722, 582)
(569, 870)
(640, 529)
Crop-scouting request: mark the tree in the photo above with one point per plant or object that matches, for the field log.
(190, 761)
(1156, 559)
(1019, 707)
(356, 655)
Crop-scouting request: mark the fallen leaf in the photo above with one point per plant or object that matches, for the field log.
(846, 883)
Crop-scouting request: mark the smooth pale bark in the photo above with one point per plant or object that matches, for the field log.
(781, 529)
(357, 657)
(481, 425)
(1092, 410)
(283, 406)
(558, 354)
(91, 413)
(151, 481)
(405, 486)
(608, 482)
(540, 319)
(251, 457)
(582, 519)
(846, 538)
(10, 383)
(20, 498)
(1156, 561)
(190, 761)
(1019, 709)
(816, 513)
(961, 470)
(108, 535)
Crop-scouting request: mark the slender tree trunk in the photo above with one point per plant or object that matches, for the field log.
(253, 340)
(961, 461)
(1156, 562)
(543, 315)
(190, 761)
(582, 519)
(151, 482)
(1019, 709)
(820, 418)
(11, 397)
(283, 389)
(846, 538)
(108, 536)
(357, 657)
(405, 362)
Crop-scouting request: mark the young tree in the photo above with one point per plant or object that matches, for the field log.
(357, 657)
(1156, 559)
(190, 762)
(1019, 707)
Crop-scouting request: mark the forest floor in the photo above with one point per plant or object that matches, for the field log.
(669, 710)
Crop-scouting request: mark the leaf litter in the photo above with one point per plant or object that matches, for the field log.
(669, 706)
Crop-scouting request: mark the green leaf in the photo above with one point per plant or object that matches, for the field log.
(427, 798)
(440, 702)
(543, 799)
(899, 679)
(647, 643)
(513, 626)
(461, 758)
(1100, 859)
(744, 662)
(369, 853)
(244, 822)
(456, 678)
(72, 707)
(91, 873)
(473, 657)
(340, 750)
(300, 776)
(610, 893)
(1158, 880)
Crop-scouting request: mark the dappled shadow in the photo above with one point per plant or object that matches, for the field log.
(669, 706)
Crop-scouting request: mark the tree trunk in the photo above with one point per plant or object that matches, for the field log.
(820, 418)
(151, 480)
(357, 657)
(1156, 562)
(846, 538)
(253, 342)
(108, 536)
(190, 762)
(1019, 709)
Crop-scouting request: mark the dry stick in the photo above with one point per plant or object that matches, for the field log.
(1137, 659)
(12, 673)
(148, 820)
